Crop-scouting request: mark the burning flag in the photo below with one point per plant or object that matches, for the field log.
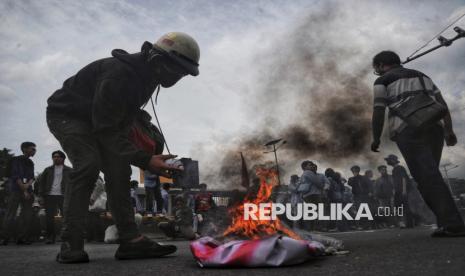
(256, 243)
(270, 251)
(255, 229)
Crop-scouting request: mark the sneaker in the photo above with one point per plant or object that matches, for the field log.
(448, 232)
(71, 256)
(145, 248)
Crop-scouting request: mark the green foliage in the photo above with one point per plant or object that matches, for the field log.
(5, 157)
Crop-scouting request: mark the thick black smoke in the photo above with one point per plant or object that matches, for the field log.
(311, 96)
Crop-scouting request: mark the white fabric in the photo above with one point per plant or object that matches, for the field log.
(57, 178)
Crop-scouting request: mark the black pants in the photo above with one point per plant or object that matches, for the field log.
(312, 225)
(407, 218)
(15, 199)
(89, 157)
(95, 230)
(153, 193)
(422, 151)
(52, 204)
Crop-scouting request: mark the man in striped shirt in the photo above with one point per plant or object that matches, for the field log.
(421, 148)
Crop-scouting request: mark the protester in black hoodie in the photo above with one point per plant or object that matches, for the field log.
(91, 116)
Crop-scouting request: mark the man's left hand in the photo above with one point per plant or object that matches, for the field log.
(451, 138)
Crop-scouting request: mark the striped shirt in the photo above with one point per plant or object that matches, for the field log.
(397, 85)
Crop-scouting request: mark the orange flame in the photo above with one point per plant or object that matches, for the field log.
(256, 229)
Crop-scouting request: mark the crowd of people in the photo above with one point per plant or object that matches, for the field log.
(31, 207)
(386, 192)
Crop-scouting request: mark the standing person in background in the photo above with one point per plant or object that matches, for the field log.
(402, 186)
(312, 187)
(335, 194)
(420, 147)
(371, 198)
(152, 193)
(384, 193)
(295, 196)
(51, 189)
(204, 204)
(97, 206)
(166, 196)
(138, 208)
(22, 177)
(360, 189)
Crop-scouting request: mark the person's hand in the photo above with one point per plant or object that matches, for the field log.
(375, 145)
(91, 202)
(451, 138)
(158, 165)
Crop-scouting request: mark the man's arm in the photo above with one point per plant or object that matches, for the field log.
(16, 174)
(379, 107)
(377, 125)
(110, 109)
(449, 134)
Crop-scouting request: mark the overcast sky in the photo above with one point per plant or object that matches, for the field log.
(44, 42)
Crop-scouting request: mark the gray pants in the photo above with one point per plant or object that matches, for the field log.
(89, 157)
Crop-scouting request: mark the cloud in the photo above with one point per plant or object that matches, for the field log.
(45, 42)
(7, 95)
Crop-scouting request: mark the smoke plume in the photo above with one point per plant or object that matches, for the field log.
(308, 94)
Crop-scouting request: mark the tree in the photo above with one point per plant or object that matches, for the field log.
(5, 158)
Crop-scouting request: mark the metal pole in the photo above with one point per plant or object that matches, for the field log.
(443, 42)
(277, 164)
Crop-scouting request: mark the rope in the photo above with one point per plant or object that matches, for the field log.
(158, 122)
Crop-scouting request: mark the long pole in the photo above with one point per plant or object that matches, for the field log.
(443, 42)
(277, 164)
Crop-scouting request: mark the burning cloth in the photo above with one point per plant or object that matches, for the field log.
(270, 251)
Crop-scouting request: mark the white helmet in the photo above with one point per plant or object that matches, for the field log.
(182, 49)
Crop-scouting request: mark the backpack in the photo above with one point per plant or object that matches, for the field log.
(145, 135)
(419, 110)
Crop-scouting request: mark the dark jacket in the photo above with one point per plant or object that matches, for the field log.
(399, 174)
(22, 168)
(360, 185)
(384, 187)
(108, 93)
(45, 180)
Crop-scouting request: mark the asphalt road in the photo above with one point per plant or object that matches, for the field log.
(381, 252)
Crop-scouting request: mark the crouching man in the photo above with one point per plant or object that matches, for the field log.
(91, 116)
(181, 225)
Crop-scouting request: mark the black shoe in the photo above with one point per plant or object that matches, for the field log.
(68, 255)
(145, 248)
(449, 232)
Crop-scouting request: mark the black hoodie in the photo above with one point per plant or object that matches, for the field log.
(108, 94)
